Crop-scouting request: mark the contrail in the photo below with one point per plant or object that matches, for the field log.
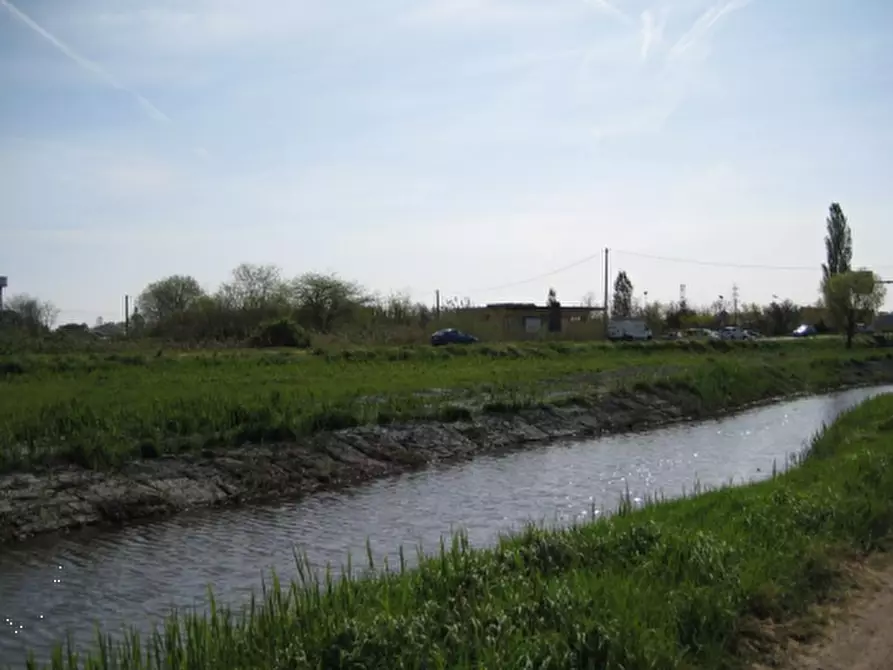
(85, 63)
(704, 23)
(608, 8)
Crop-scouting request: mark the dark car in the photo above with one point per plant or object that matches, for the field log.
(451, 336)
(804, 331)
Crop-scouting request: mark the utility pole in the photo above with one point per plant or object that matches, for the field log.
(126, 314)
(437, 303)
(4, 282)
(607, 279)
(735, 302)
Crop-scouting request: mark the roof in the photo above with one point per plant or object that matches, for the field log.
(528, 306)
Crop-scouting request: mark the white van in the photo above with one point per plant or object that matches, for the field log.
(628, 329)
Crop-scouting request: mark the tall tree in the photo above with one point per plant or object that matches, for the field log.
(554, 311)
(851, 297)
(622, 303)
(253, 287)
(167, 297)
(838, 243)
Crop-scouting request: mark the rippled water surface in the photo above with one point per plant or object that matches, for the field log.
(135, 575)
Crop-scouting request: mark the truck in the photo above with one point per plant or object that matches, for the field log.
(628, 330)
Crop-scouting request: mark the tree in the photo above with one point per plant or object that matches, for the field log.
(838, 243)
(554, 311)
(325, 300)
(622, 303)
(31, 314)
(590, 300)
(782, 317)
(254, 287)
(851, 297)
(165, 298)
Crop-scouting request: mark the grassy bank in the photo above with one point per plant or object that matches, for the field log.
(681, 584)
(100, 411)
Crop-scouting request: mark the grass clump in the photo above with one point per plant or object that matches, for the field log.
(681, 584)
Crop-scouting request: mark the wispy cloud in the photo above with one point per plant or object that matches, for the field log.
(83, 62)
(652, 32)
(607, 7)
(700, 29)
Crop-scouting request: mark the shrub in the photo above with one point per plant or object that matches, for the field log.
(281, 333)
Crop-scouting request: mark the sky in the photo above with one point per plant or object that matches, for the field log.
(490, 149)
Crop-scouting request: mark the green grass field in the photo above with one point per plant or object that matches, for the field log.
(682, 584)
(101, 410)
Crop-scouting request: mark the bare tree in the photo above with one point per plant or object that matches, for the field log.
(254, 286)
(32, 314)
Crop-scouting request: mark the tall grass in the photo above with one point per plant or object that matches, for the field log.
(101, 411)
(677, 584)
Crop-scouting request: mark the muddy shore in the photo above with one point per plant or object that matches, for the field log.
(72, 497)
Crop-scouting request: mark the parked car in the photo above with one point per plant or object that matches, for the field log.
(628, 330)
(702, 332)
(733, 333)
(864, 329)
(451, 336)
(804, 330)
(754, 334)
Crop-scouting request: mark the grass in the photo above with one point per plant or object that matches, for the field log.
(691, 583)
(101, 411)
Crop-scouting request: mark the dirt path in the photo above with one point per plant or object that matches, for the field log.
(858, 636)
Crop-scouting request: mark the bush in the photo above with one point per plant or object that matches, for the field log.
(281, 333)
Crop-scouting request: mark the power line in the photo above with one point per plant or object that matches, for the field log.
(537, 277)
(669, 259)
(738, 266)
(718, 264)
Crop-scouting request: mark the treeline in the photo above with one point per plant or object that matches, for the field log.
(258, 298)
(780, 317)
(259, 306)
(776, 318)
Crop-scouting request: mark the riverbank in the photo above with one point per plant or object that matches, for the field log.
(67, 497)
(102, 411)
(709, 581)
(850, 633)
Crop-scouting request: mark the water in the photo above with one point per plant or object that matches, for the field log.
(134, 576)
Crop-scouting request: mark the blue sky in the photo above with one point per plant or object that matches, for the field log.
(465, 145)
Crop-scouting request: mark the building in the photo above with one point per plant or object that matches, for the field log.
(883, 323)
(528, 321)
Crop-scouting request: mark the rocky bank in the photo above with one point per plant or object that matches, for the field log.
(72, 497)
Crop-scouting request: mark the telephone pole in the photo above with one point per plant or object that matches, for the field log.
(126, 314)
(735, 302)
(607, 279)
